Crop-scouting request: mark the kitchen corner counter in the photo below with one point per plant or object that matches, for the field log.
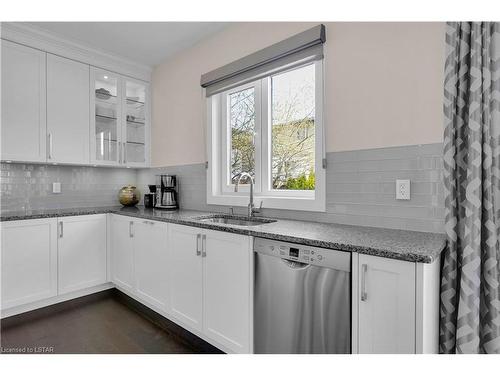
(404, 245)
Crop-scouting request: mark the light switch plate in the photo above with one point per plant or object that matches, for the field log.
(403, 189)
(56, 187)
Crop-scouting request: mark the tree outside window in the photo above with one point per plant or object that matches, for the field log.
(292, 135)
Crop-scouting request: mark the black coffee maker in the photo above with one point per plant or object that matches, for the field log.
(166, 192)
(150, 198)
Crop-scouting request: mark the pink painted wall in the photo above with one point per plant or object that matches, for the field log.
(383, 85)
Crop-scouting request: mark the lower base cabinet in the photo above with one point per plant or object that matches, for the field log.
(386, 305)
(122, 252)
(139, 259)
(397, 305)
(186, 275)
(81, 252)
(29, 261)
(45, 258)
(151, 262)
(211, 284)
(227, 289)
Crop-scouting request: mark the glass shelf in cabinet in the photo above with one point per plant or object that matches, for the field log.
(106, 118)
(133, 101)
(106, 139)
(139, 123)
(111, 100)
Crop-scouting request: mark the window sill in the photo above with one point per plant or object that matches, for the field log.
(281, 203)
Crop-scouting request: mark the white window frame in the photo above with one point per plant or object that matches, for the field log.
(225, 141)
(220, 193)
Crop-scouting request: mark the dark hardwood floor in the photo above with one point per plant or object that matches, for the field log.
(107, 322)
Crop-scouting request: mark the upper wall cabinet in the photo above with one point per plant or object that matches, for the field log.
(136, 129)
(67, 111)
(119, 131)
(58, 110)
(105, 117)
(23, 103)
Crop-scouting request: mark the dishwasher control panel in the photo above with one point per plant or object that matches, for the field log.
(304, 254)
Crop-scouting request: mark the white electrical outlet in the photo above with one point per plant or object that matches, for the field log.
(56, 187)
(403, 189)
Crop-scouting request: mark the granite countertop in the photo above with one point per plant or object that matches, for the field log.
(405, 245)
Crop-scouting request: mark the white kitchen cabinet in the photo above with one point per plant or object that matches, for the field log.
(105, 117)
(227, 277)
(119, 120)
(151, 261)
(51, 111)
(81, 252)
(136, 123)
(186, 275)
(211, 284)
(29, 261)
(68, 111)
(122, 252)
(139, 259)
(23, 103)
(386, 302)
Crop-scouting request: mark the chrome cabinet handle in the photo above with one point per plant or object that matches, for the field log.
(149, 222)
(198, 252)
(124, 153)
(130, 231)
(364, 269)
(61, 229)
(49, 136)
(204, 245)
(119, 152)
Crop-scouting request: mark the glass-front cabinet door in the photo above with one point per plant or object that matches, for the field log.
(136, 115)
(105, 117)
(119, 120)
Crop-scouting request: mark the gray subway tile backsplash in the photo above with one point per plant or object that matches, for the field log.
(360, 187)
(29, 186)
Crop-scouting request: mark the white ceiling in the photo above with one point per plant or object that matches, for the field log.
(148, 43)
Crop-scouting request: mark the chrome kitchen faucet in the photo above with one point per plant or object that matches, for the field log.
(251, 207)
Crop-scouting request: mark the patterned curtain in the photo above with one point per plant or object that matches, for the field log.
(470, 291)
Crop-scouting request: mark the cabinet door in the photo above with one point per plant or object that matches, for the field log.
(227, 300)
(29, 261)
(81, 252)
(68, 110)
(122, 252)
(23, 103)
(105, 117)
(151, 262)
(136, 130)
(185, 274)
(386, 305)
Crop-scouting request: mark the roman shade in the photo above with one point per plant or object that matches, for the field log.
(298, 49)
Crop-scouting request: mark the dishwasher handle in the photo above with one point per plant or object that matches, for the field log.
(294, 264)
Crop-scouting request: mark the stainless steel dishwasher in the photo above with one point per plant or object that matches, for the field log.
(302, 299)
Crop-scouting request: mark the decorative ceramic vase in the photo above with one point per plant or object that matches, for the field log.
(129, 195)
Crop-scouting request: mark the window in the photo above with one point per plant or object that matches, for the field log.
(293, 132)
(242, 131)
(272, 129)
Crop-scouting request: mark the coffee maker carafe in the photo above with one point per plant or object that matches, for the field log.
(166, 192)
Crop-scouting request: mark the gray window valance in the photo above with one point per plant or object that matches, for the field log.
(298, 49)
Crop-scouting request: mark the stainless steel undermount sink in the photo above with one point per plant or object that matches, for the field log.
(234, 220)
